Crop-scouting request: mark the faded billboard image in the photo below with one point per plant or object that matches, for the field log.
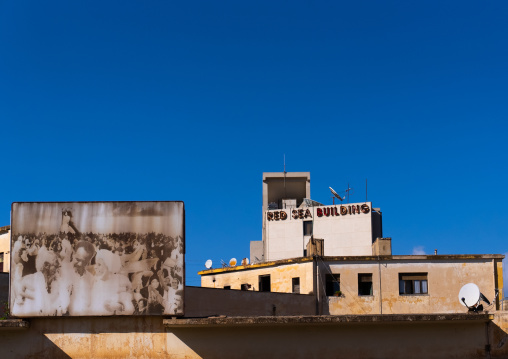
(97, 258)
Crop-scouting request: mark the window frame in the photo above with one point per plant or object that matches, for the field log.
(295, 283)
(365, 275)
(416, 281)
(261, 287)
(332, 286)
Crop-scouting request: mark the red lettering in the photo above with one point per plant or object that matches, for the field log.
(283, 215)
(308, 214)
(365, 208)
(319, 212)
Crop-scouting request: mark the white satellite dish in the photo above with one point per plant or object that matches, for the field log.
(336, 194)
(245, 261)
(208, 264)
(469, 295)
(232, 262)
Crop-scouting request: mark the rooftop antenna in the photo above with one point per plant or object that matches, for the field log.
(348, 192)
(285, 196)
(470, 297)
(224, 264)
(335, 195)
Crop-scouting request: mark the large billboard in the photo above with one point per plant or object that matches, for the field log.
(97, 258)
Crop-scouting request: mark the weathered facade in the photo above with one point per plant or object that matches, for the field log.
(388, 336)
(372, 285)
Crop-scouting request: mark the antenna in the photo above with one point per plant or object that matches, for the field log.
(232, 262)
(208, 264)
(224, 264)
(470, 297)
(348, 192)
(285, 196)
(335, 195)
(366, 190)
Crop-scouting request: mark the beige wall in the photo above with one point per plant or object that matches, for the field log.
(445, 276)
(281, 277)
(148, 338)
(5, 248)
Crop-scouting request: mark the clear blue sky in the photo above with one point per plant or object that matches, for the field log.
(192, 101)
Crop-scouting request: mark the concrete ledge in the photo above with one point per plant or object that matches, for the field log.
(415, 258)
(325, 319)
(14, 324)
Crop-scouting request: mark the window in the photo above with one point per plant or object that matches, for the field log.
(332, 284)
(227, 287)
(1, 262)
(296, 285)
(364, 284)
(413, 283)
(245, 286)
(307, 228)
(264, 283)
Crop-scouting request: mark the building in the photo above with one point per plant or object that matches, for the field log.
(5, 242)
(320, 297)
(338, 254)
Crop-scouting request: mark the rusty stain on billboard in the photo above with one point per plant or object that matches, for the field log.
(97, 258)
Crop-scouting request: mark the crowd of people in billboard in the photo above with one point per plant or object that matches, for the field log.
(78, 274)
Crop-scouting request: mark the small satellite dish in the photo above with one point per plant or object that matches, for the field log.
(232, 262)
(245, 261)
(208, 264)
(336, 194)
(469, 295)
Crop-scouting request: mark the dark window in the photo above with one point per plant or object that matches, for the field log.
(245, 286)
(364, 284)
(296, 285)
(413, 283)
(227, 287)
(307, 228)
(1, 262)
(264, 283)
(332, 284)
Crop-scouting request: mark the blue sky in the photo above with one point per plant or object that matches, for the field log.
(123, 100)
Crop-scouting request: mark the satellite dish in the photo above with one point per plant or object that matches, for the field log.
(208, 264)
(245, 261)
(336, 194)
(232, 262)
(469, 295)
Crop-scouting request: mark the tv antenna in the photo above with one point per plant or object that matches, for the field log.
(208, 264)
(349, 191)
(224, 264)
(285, 196)
(335, 195)
(470, 297)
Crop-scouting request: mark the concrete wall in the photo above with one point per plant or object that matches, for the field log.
(281, 277)
(148, 338)
(350, 234)
(206, 302)
(445, 278)
(5, 248)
